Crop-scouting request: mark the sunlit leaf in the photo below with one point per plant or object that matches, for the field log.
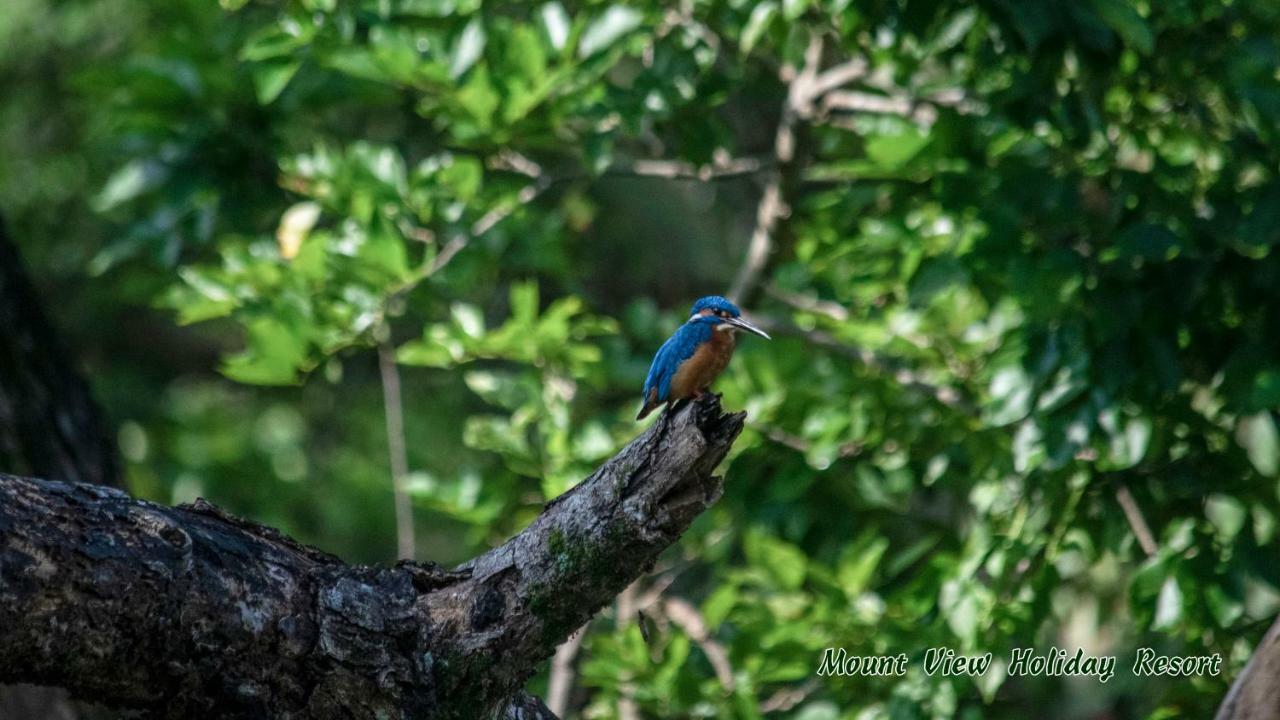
(616, 22)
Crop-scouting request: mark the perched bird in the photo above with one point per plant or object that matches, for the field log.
(691, 359)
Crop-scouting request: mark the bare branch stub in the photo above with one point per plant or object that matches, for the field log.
(187, 611)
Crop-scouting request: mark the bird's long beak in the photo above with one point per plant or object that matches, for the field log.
(745, 325)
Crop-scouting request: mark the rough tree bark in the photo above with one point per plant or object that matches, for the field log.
(1255, 694)
(188, 611)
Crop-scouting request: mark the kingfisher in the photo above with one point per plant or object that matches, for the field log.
(691, 359)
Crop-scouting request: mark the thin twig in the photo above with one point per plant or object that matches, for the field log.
(657, 587)
(896, 101)
(862, 102)
(1137, 522)
(687, 618)
(891, 367)
(760, 246)
(842, 74)
(847, 449)
(392, 403)
(722, 168)
(787, 698)
(560, 682)
(833, 310)
(626, 612)
(515, 161)
(527, 194)
(394, 412)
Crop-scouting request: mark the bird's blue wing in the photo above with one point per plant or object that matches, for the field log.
(678, 348)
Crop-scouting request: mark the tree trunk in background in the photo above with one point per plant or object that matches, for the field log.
(49, 427)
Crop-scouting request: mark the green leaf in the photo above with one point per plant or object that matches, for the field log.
(858, 562)
(496, 434)
(1257, 435)
(468, 318)
(462, 177)
(1011, 395)
(761, 17)
(719, 604)
(1227, 608)
(425, 353)
(524, 303)
(1028, 447)
(792, 9)
(1121, 16)
(1168, 605)
(130, 181)
(1226, 513)
(274, 354)
(468, 49)
(270, 78)
(780, 560)
(607, 29)
(555, 21)
(955, 29)
(272, 43)
(1265, 392)
(960, 604)
(385, 251)
(479, 98)
(462, 498)
(893, 151)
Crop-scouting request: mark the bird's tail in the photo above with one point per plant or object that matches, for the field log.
(644, 411)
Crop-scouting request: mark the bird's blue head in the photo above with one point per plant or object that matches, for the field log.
(722, 314)
(715, 305)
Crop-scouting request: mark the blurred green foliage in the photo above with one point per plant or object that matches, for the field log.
(1025, 278)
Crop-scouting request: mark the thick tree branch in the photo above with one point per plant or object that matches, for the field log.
(183, 610)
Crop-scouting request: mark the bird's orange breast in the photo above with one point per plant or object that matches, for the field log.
(706, 363)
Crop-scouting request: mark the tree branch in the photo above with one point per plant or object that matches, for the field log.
(722, 168)
(1137, 522)
(183, 610)
(1255, 695)
(687, 618)
(773, 207)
